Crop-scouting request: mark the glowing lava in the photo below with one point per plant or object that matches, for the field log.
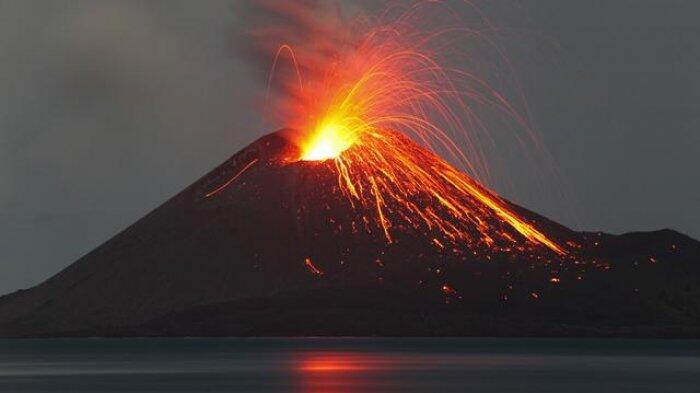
(407, 186)
(329, 142)
(362, 100)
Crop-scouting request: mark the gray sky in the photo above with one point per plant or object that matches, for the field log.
(109, 108)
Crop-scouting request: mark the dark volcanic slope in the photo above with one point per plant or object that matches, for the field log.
(234, 263)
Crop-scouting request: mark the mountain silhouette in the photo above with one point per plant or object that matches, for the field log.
(267, 245)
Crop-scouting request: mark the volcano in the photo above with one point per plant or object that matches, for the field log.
(269, 245)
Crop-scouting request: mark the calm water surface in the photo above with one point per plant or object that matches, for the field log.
(349, 365)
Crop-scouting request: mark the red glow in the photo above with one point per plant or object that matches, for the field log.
(334, 363)
(346, 371)
(447, 290)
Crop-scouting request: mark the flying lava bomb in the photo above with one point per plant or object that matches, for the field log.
(366, 214)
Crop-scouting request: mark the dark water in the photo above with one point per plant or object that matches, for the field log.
(349, 365)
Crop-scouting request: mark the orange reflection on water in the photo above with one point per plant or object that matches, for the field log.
(341, 362)
(342, 371)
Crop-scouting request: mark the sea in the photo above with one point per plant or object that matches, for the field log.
(349, 365)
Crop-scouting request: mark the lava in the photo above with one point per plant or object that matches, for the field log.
(312, 268)
(408, 186)
(362, 93)
(231, 180)
(328, 143)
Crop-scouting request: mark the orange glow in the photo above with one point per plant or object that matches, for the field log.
(375, 103)
(332, 363)
(312, 268)
(386, 172)
(448, 290)
(328, 143)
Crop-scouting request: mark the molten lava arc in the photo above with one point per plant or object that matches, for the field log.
(380, 104)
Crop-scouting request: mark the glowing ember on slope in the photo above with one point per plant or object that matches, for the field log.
(312, 268)
(409, 186)
(358, 98)
(231, 180)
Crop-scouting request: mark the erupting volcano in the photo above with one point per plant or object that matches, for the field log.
(367, 214)
(358, 101)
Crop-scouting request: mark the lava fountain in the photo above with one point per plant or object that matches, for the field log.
(361, 93)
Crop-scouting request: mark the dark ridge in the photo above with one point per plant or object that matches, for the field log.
(227, 257)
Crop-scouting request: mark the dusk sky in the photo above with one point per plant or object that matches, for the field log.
(109, 108)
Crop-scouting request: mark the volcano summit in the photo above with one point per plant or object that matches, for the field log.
(267, 244)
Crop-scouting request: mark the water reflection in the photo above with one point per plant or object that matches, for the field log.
(363, 371)
(331, 372)
(349, 365)
(499, 369)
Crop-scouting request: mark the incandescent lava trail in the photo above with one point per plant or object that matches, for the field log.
(361, 92)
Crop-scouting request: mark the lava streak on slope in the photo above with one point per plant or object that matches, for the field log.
(360, 91)
(407, 186)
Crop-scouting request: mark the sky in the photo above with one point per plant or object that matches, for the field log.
(109, 108)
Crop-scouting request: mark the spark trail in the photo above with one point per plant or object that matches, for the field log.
(362, 92)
